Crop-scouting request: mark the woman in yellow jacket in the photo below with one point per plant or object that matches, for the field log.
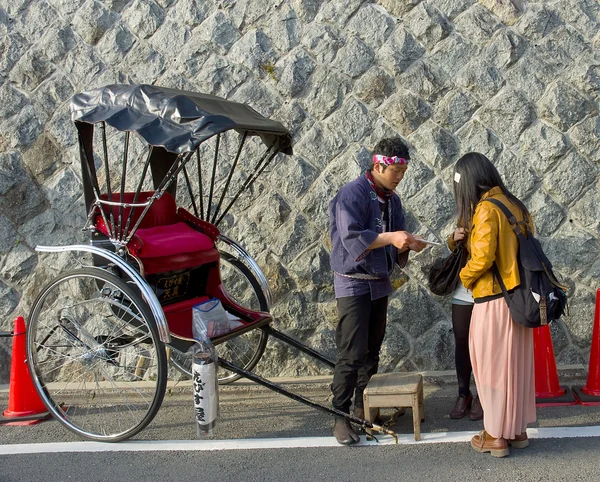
(501, 350)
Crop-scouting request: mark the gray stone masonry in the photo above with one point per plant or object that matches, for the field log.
(517, 80)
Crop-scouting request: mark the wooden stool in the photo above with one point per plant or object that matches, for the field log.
(398, 389)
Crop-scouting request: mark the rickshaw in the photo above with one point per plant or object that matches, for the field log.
(100, 334)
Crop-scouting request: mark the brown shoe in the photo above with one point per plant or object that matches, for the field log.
(476, 412)
(461, 406)
(519, 442)
(482, 442)
(343, 432)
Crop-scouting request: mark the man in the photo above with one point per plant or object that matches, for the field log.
(366, 225)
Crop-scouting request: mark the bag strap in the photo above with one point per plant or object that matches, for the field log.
(515, 226)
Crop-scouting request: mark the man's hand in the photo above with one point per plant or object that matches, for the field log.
(401, 239)
(418, 244)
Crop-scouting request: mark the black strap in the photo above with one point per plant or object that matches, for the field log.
(515, 225)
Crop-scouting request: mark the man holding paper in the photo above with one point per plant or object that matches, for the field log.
(367, 230)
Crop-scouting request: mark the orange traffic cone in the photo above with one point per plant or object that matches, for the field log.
(548, 392)
(24, 405)
(589, 394)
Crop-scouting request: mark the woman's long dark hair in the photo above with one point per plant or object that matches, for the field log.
(477, 176)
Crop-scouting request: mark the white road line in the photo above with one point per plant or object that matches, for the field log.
(273, 443)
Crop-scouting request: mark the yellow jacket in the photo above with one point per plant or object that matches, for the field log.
(491, 238)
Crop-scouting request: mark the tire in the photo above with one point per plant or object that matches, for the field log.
(95, 356)
(244, 350)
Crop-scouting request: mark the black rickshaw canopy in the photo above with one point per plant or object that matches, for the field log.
(176, 120)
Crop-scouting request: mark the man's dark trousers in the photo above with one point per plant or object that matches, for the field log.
(359, 336)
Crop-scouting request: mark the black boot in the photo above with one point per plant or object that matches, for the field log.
(343, 432)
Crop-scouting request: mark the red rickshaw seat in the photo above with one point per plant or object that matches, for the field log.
(163, 242)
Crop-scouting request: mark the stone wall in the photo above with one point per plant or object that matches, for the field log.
(518, 81)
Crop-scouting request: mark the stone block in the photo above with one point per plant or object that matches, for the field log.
(452, 53)
(542, 145)
(66, 8)
(561, 48)
(18, 265)
(585, 75)
(505, 48)
(516, 173)
(271, 212)
(43, 158)
(190, 61)
(170, 37)
(426, 79)
(8, 236)
(143, 17)
(295, 70)
(61, 129)
(531, 75)
(455, 109)
(253, 51)
(399, 51)
(584, 15)
(571, 178)
(326, 93)
(283, 28)
(538, 21)
(508, 114)
(406, 111)
(374, 87)
(396, 345)
(35, 20)
(306, 9)
(354, 58)
(257, 95)
(433, 206)
(115, 44)
(10, 300)
(11, 101)
(398, 8)
(249, 13)
(585, 136)
(323, 41)
(62, 190)
(92, 20)
(56, 42)
(219, 32)
(30, 71)
(509, 11)
(372, 24)
(144, 64)
(434, 350)
(452, 8)
(477, 24)
(294, 177)
(49, 95)
(82, 64)
(547, 215)
(338, 12)
(435, 144)
(190, 13)
(481, 78)
(293, 237)
(319, 145)
(564, 106)
(475, 137)
(353, 120)
(586, 211)
(22, 129)
(428, 24)
(417, 176)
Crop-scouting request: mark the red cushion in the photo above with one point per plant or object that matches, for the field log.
(161, 241)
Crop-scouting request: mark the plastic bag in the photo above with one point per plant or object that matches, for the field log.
(209, 319)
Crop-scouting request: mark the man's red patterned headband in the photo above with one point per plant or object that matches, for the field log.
(388, 161)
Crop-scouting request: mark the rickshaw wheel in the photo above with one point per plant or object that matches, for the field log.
(244, 350)
(95, 356)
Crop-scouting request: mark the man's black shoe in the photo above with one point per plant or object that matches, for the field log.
(343, 432)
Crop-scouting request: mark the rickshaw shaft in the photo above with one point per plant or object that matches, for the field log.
(279, 389)
(298, 345)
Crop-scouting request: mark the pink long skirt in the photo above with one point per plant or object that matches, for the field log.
(502, 358)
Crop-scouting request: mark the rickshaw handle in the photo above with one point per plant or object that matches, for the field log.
(147, 293)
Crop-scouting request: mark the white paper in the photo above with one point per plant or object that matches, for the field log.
(456, 177)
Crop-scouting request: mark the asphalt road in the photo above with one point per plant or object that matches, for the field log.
(250, 412)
